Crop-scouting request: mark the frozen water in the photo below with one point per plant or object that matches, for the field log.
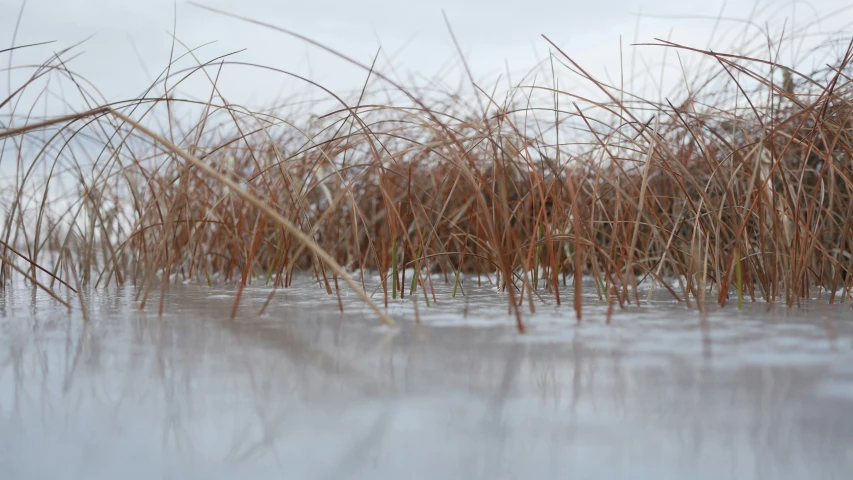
(304, 391)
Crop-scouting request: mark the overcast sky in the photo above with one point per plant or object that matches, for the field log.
(130, 39)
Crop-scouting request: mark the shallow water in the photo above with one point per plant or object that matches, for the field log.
(306, 392)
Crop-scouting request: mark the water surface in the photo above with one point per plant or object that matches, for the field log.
(304, 391)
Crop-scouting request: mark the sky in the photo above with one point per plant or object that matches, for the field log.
(127, 43)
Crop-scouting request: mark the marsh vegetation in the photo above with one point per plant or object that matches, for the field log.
(735, 187)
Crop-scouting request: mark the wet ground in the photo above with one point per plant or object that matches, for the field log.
(306, 392)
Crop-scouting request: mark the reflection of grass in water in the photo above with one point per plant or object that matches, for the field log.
(746, 180)
(72, 369)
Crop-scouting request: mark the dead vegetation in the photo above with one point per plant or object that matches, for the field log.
(741, 191)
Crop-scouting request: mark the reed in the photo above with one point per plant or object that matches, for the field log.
(742, 187)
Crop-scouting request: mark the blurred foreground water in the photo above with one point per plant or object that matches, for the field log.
(306, 392)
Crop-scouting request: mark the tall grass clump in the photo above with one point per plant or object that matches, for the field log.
(735, 184)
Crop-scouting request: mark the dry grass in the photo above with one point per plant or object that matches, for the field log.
(742, 189)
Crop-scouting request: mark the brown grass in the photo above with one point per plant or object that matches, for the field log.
(742, 188)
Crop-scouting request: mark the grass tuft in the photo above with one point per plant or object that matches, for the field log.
(738, 182)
